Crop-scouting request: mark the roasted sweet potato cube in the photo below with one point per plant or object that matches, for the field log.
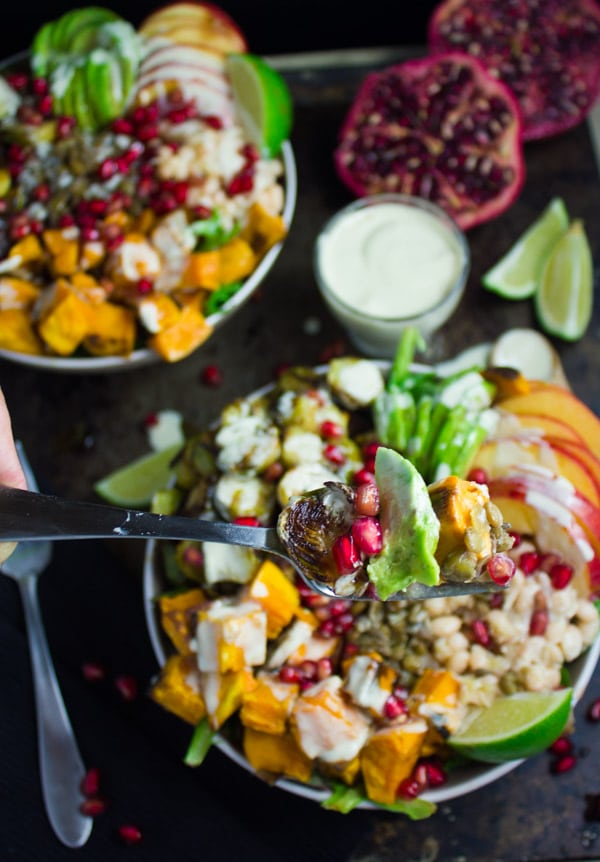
(17, 293)
(263, 229)
(236, 260)
(17, 332)
(178, 616)
(276, 594)
(389, 757)
(435, 694)
(267, 706)
(28, 249)
(460, 507)
(203, 270)
(174, 691)
(183, 337)
(224, 693)
(64, 320)
(111, 330)
(276, 754)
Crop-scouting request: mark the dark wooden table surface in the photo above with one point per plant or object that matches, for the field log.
(78, 428)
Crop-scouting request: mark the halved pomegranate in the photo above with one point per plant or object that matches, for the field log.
(440, 128)
(547, 51)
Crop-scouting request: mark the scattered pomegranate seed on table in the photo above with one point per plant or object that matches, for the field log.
(93, 806)
(129, 834)
(212, 375)
(593, 713)
(93, 671)
(90, 783)
(564, 763)
(561, 746)
(127, 687)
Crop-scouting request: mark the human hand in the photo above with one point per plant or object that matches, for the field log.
(11, 473)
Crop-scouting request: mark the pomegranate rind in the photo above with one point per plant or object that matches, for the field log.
(464, 154)
(565, 36)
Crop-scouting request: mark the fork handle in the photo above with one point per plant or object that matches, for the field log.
(61, 766)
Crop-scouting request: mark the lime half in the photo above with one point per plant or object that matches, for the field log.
(136, 483)
(515, 726)
(517, 274)
(263, 100)
(564, 298)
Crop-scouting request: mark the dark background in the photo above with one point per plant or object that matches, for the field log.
(270, 26)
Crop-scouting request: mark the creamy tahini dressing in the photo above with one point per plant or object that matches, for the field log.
(390, 260)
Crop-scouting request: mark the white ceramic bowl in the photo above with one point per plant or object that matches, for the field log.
(460, 782)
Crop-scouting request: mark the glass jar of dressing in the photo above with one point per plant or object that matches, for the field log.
(390, 261)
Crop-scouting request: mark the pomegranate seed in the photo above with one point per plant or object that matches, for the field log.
(477, 474)
(435, 773)
(370, 449)
(289, 674)
(145, 286)
(516, 537)
(90, 234)
(326, 629)
(561, 575)
(212, 375)
(39, 86)
(64, 126)
(93, 806)
(92, 671)
(147, 132)
(151, 420)
(121, 126)
(564, 763)
(180, 192)
(247, 521)
(496, 600)
(324, 668)
(343, 624)
(409, 788)
(394, 707)
(330, 351)
(538, 622)
(334, 454)
(548, 561)
(561, 746)
(42, 192)
(529, 561)
(345, 555)
(202, 212)
(350, 649)
(481, 633)
(36, 226)
(213, 121)
(127, 687)
(273, 472)
(364, 477)
(44, 104)
(242, 182)
(18, 80)
(129, 834)
(367, 499)
(90, 783)
(338, 607)
(331, 429)
(193, 556)
(308, 670)
(66, 220)
(107, 169)
(250, 153)
(593, 713)
(501, 569)
(368, 535)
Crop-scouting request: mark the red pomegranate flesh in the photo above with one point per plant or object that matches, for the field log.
(440, 128)
(547, 51)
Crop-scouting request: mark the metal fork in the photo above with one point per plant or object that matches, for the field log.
(39, 517)
(61, 767)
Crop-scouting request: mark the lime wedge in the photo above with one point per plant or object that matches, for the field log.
(516, 275)
(515, 726)
(263, 101)
(137, 482)
(564, 299)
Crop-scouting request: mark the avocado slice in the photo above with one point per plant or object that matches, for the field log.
(42, 50)
(71, 23)
(410, 527)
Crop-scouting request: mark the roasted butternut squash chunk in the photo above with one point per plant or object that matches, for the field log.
(17, 293)
(461, 508)
(65, 319)
(224, 693)
(178, 616)
(276, 594)
(389, 757)
(267, 706)
(111, 330)
(435, 697)
(276, 754)
(236, 260)
(174, 692)
(263, 229)
(17, 332)
(184, 336)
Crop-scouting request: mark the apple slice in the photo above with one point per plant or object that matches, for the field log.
(548, 426)
(499, 456)
(555, 498)
(162, 52)
(567, 540)
(561, 404)
(204, 20)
